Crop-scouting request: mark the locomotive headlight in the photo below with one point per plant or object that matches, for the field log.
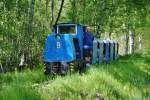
(57, 37)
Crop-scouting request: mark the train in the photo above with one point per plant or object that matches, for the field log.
(69, 49)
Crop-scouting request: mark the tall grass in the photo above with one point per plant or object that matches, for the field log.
(127, 79)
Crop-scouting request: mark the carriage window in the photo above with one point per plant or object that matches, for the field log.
(67, 29)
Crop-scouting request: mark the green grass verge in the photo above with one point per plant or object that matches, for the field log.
(127, 79)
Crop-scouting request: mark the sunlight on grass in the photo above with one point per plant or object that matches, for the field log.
(126, 79)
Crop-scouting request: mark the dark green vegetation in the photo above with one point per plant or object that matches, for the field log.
(126, 79)
(24, 24)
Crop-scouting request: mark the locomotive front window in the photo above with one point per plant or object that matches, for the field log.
(71, 29)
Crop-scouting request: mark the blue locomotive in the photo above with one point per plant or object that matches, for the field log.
(64, 48)
(71, 48)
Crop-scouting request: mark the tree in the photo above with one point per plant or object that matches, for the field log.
(52, 12)
(59, 13)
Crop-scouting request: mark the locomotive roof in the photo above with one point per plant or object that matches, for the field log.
(69, 23)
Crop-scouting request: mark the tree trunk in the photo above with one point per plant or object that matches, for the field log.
(30, 35)
(2, 70)
(31, 14)
(22, 60)
(131, 38)
(47, 9)
(109, 35)
(73, 3)
(140, 42)
(84, 7)
(60, 10)
(52, 13)
(105, 34)
(126, 43)
(40, 7)
(17, 9)
(98, 33)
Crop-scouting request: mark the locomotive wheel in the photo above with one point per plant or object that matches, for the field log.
(72, 67)
(77, 66)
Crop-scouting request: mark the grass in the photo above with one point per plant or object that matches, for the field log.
(127, 79)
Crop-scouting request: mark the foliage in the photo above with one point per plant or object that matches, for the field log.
(24, 24)
(126, 79)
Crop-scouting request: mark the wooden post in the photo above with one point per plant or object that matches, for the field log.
(126, 43)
